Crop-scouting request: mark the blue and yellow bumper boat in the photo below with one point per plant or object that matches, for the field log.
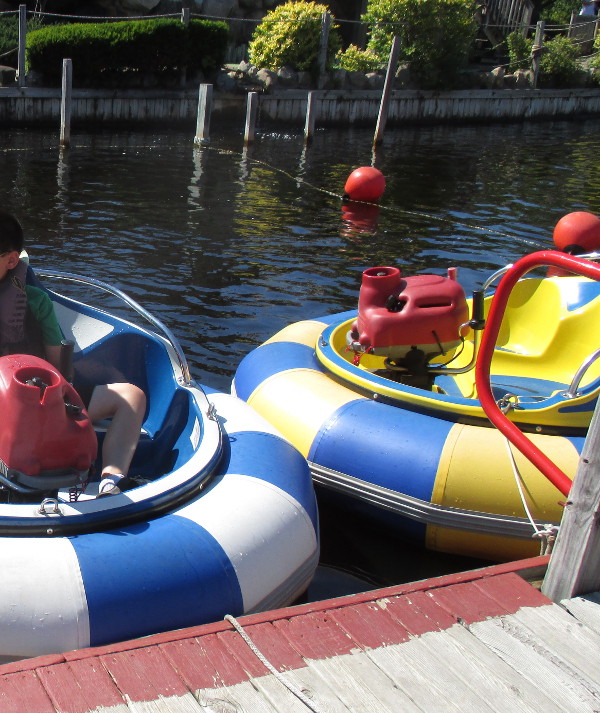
(386, 402)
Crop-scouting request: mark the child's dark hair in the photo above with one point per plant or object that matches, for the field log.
(11, 233)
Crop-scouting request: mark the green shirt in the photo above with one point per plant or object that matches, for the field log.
(43, 310)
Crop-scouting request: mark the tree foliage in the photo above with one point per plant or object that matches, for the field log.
(289, 36)
(436, 36)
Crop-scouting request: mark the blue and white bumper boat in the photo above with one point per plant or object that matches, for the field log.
(223, 519)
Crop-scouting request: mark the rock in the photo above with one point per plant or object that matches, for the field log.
(523, 79)
(267, 78)
(497, 74)
(8, 76)
(305, 80)
(374, 80)
(357, 80)
(226, 82)
(287, 76)
(338, 78)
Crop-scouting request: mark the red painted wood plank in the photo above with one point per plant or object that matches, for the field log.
(512, 592)
(144, 674)
(24, 693)
(370, 625)
(80, 686)
(316, 635)
(419, 614)
(272, 644)
(204, 663)
(475, 601)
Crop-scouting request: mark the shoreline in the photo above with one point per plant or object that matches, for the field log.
(42, 106)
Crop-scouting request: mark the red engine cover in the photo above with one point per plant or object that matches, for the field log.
(38, 431)
(395, 312)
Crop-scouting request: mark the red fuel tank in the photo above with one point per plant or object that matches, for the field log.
(45, 428)
(396, 313)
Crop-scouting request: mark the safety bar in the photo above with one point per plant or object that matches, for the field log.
(570, 263)
(573, 389)
(170, 337)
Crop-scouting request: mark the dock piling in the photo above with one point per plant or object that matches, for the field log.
(251, 114)
(574, 567)
(66, 103)
(205, 98)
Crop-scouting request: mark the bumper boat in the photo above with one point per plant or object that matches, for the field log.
(222, 519)
(458, 422)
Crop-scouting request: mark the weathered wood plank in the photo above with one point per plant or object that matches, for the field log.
(560, 632)
(499, 674)
(81, 686)
(586, 609)
(523, 652)
(21, 692)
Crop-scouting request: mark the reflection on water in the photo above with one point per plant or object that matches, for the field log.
(227, 245)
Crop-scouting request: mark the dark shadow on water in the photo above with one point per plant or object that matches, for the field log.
(358, 554)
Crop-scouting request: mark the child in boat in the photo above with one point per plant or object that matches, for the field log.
(28, 324)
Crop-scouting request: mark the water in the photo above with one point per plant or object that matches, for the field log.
(227, 246)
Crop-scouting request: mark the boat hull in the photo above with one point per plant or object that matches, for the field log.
(438, 477)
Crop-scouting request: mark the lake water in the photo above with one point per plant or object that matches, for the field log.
(227, 246)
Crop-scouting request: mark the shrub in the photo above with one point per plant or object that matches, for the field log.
(436, 36)
(100, 49)
(519, 51)
(9, 36)
(354, 59)
(558, 65)
(289, 35)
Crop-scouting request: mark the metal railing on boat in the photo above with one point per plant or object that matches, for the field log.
(166, 332)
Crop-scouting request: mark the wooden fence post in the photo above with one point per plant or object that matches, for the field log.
(22, 45)
(65, 104)
(323, 43)
(536, 50)
(575, 562)
(387, 90)
(204, 112)
(251, 114)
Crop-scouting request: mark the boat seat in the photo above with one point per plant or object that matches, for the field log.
(502, 385)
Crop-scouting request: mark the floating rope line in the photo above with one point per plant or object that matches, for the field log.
(393, 209)
(282, 679)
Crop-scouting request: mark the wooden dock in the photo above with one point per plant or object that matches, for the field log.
(482, 641)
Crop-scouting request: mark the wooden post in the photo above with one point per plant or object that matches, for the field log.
(575, 562)
(22, 45)
(387, 90)
(309, 124)
(204, 112)
(185, 16)
(251, 114)
(323, 43)
(65, 104)
(536, 50)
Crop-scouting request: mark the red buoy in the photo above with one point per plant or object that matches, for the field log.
(577, 232)
(365, 184)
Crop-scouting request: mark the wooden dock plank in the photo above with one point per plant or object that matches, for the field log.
(586, 609)
(20, 692)
(80, 686)
(509, 686)
(560, 632)
(519, 649)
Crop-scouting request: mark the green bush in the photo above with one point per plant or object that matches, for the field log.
(436, 36)
(289, 36)
(519, 51)
(558, 65)
(9, 37)
(354, 59)
(100, 49)
(559, 12)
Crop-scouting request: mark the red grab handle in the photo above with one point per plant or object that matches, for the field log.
(488, 341)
